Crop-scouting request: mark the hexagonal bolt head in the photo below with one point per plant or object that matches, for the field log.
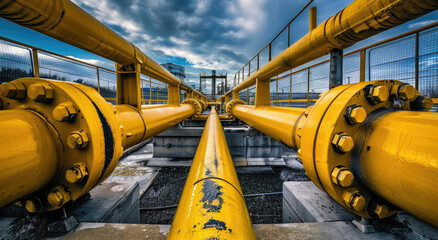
(343, 142)
(381, 211)
(380, 94)
(342, 176)
(40, 92)
(32, 205)
(64, 112)
(422, 103)
(355, 200)
(355, 114)
(76, 173)
(406, 91)
(58, 196)
(77, 139)
(14, 90)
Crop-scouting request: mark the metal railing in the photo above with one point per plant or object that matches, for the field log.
(271, 50)
(18, 60)
(411, 57)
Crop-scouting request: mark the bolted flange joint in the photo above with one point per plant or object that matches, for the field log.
(230, 106)
(196, 104)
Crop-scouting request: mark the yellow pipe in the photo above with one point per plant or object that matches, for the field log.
(276, 122)
(358, 21)
(153, 119)
(29, 154)
(398, 161)
(212, 204)
(63, 20)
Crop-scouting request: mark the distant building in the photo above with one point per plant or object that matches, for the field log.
(177, 70)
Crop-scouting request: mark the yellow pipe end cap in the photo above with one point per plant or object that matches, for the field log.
(380, 93)
(358, 115)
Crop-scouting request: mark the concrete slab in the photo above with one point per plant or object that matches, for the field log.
(238, 162)
(110, 202)
(328, 230)
(311, 204)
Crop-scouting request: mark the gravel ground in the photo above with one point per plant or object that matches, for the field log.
(262, 209)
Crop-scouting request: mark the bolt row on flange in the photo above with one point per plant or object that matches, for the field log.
(333, 140)
(71, 139)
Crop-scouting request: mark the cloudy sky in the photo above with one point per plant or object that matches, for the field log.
(198, 34)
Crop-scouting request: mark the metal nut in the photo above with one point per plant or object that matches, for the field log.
(14, 90)
(355, 114)
(40, 92)
(76, 173)
(381, 211)
(33, 205)
(355, 200)
(58, 196)
(64, 112)
(406, 91)
(77, 139)
(342, 176)
(343, 142)
(380, 94)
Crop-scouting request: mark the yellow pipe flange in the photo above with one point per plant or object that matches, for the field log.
(230, 105)
(196, 104)
(329, 142)
(86, 127)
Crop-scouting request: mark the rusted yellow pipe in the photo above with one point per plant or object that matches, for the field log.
(358, 21)
(212, 204)
(63, 20)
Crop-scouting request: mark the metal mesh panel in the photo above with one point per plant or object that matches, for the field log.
(264, 57)
(273, 92)
(253, 65)
(251, 96)
(108, 83)
(394, 60)
(428, 63)
(283, 91)
(158, 92)
(15, 62)
(351, 65)
(56, 68)
(319, 79)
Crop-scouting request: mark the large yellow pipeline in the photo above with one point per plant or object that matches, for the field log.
(358, 146)
(212, 204)
(63, 20)
(397, 158)
(61, 139)
(358, 21)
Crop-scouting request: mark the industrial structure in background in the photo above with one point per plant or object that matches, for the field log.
(213, 84)
(369, 146)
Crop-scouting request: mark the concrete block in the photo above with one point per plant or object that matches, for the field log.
(311, 204)
(111, 202)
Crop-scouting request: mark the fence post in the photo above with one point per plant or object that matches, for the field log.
(36, 65)
(417, 59)
(363, 57)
